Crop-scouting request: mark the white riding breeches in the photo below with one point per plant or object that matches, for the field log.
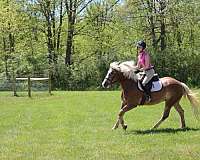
(148, 76)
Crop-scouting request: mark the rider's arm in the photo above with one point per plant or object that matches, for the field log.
(138, 65)
(147, 62)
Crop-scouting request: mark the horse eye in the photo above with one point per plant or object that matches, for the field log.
(111, 73)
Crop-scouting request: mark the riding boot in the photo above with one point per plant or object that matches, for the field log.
(147, 93)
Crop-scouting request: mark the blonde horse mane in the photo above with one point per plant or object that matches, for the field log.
(128, 69)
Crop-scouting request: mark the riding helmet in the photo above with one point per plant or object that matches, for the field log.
(142, 44)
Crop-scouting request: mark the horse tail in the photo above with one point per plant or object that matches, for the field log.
(193, 100)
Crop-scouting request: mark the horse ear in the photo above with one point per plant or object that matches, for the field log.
(119, 62)
(115, 66)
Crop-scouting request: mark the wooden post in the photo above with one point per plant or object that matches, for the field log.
(14, 85)
(29, 86)
(49, 80)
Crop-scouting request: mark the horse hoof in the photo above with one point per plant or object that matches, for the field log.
(114, 128)
(125, 127)
(154, 127)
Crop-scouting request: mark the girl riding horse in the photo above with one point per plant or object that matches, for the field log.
(144, 64)
(171, 92)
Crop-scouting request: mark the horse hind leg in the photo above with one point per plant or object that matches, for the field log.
(164, 116)
(180, 111)
(168, 105)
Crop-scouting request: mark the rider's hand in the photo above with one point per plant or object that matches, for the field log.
(139, 69)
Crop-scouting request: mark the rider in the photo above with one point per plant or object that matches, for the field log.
(144, 64)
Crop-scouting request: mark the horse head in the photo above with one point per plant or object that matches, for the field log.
(117, 70)
(112, 75)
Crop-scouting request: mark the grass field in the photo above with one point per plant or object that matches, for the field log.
(77, 125)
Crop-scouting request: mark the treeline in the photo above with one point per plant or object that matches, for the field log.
(76, 40)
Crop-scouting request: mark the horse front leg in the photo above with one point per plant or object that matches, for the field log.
(122, 112)
(116, 125)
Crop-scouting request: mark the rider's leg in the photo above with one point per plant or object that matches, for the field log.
(148, 77)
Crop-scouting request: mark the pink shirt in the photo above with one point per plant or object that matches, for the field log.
(144, 60)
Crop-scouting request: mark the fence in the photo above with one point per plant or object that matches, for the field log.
(29, 79)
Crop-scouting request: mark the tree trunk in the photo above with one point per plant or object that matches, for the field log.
(60, 25)
(73, 8)
(69, 44)
(162, 35)
(71, 22)
(54, 54)
(162, 26)
(151, 6)
(49, 41)
(5, 57)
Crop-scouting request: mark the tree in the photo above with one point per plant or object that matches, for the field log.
(48, 10)
(74, 9)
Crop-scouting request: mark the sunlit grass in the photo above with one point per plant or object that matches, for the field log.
(77, 125)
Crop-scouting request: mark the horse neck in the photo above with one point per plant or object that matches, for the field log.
(127, 83)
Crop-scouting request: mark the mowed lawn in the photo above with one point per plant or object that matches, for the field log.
(77, 125)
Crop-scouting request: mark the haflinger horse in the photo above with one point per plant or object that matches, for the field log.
(172, 90)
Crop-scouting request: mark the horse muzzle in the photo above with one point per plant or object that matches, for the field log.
(105, 84)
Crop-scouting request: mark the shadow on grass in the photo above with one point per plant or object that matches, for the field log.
(163, 130)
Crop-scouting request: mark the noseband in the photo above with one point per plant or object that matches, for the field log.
(109, 79)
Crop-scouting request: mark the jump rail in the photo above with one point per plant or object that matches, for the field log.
(29, 79)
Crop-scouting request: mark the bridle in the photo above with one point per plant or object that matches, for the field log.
(110, 79)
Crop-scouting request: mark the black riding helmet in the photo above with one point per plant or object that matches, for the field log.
(141, 44)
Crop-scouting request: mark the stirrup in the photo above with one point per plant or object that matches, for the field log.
(148, 98)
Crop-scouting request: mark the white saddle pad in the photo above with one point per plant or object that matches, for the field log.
(156, 86)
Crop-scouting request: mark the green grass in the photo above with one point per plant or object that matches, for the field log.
(77, 125)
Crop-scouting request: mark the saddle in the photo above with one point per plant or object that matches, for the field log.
(154, 84)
